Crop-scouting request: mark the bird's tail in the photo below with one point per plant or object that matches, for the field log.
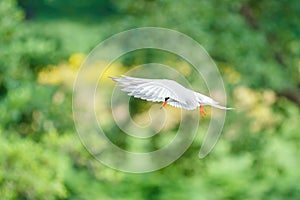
(221, 107)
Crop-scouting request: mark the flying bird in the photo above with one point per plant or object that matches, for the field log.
(166, 91)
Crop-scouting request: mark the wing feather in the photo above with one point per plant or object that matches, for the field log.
(147, 89)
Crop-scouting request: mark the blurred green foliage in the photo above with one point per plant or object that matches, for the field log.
(256, 46)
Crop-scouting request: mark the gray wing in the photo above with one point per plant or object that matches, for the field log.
(149, 89)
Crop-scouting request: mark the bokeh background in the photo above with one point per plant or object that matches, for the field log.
(256, 46)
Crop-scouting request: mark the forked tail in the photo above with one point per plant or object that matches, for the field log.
(221, 107)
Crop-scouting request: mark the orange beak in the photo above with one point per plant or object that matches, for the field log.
(164, 103)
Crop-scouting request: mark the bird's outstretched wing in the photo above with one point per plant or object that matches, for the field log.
(147, 89)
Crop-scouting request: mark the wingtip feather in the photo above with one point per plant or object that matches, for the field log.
(114, 78)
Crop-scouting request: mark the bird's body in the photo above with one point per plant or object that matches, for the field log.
(166, 91)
